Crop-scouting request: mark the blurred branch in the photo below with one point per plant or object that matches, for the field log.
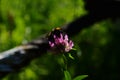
(98, 10)
(16, 58)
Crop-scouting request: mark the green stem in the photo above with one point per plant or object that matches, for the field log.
(65, 62)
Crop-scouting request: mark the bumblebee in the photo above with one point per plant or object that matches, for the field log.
(56, 31)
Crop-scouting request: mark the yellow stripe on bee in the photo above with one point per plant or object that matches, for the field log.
(58, 28)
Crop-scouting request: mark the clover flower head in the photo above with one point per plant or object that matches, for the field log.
(61, 43)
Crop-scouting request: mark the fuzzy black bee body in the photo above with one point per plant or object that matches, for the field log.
(56, 31)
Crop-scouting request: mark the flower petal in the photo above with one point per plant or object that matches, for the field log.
(66, 37)
(51, 44)
(71, 43)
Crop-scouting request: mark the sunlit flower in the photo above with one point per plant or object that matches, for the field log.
(61, 43)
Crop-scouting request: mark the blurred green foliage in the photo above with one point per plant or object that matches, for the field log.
(21, 21)
(97, 47)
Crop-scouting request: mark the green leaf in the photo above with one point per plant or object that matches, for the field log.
(74, 49)
(71, 56)
(67, 75)
(81, 77)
